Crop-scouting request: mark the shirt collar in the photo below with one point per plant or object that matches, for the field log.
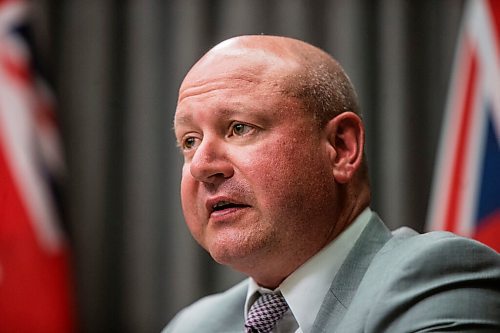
(305, 289)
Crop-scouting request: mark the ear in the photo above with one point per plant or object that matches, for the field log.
(345, 139)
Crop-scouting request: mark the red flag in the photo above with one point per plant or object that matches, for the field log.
(35, 290)
(466, 192)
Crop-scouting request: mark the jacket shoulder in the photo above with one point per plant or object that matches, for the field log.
(442, 249)
(435, 280)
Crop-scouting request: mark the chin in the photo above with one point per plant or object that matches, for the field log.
(237, 255)
(238, 248)
(227, 255)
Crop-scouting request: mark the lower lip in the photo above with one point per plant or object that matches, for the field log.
(227, 215)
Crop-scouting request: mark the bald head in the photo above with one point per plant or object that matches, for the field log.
(291, 66)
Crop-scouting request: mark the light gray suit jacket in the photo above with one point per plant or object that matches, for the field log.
(390, 282)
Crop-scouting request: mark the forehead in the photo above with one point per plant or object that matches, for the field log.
(235, 77)
(237, 63)
(232, 98)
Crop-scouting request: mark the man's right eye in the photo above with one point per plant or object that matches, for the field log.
(189, 143)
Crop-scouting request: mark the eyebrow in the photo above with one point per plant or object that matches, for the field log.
(187, 119)
(182, 120)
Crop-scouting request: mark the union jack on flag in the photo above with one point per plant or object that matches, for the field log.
(35, 289)
(466, 190)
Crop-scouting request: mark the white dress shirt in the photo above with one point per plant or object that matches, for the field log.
(305, 289)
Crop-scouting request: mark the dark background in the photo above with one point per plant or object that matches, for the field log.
(115, 67)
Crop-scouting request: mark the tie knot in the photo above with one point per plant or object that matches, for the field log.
(265, 313)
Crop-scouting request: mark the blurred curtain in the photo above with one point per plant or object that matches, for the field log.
(116, 67)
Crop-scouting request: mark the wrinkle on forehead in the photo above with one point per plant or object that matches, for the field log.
(217, 82)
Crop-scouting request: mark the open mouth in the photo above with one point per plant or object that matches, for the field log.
(222, 205)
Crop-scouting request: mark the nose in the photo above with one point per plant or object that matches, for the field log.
(210, 163)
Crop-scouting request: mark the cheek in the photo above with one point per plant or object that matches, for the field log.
(187, 188)
(287, 174)
(188, 202)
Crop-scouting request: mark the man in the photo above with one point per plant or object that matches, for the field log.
(275, 185)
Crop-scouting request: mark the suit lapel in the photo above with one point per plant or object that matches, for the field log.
(347, 280)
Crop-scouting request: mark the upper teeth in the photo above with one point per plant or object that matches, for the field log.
(220, 203)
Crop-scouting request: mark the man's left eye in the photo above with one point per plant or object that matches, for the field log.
(241, 129)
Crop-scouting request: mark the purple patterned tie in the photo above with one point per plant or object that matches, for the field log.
(265, 313)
